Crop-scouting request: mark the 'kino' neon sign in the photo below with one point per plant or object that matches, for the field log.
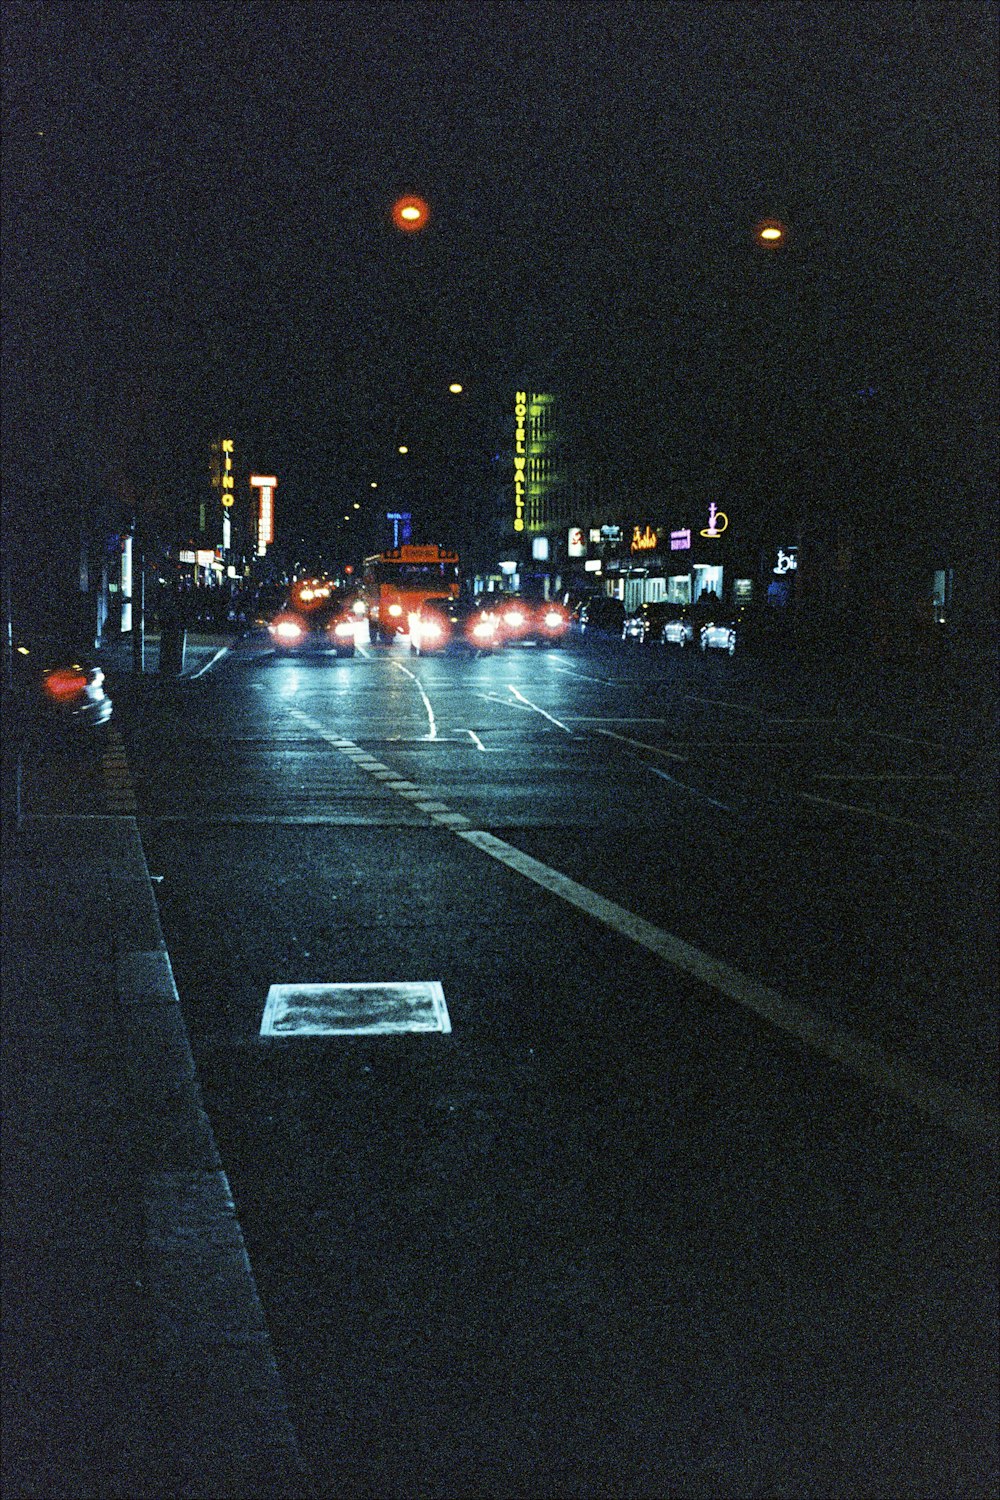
(520, 456)
(228, 484)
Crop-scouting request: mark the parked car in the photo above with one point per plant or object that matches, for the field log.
(316, 623)
(602, 615)
(719, 634)
(442, 624)
(540, 622)
(55, 688)
(644, 624)
(678, 626)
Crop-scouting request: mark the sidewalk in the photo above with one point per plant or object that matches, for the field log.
(137, 1359)
(116, 653)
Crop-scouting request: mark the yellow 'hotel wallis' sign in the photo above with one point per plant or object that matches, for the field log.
(520, 457)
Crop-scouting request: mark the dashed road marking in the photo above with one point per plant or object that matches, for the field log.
(958, 1111)
(881, 817)
(964, 1115)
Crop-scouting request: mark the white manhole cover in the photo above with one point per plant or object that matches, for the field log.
(354, 1009)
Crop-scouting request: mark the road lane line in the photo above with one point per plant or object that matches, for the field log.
(685, 788)
(961, 1113)
(641, 745)
(427, 702)
(871, 812)
(721, 703)
(884, 776)
(528, 704)
(223, 651)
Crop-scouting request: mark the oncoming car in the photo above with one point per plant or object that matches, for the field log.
(317, 624)
(541, 622)
(452, 625)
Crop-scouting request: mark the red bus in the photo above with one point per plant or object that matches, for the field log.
(398, 581)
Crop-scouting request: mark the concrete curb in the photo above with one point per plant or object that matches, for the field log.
(222, 1426)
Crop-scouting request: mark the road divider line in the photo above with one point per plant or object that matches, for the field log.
(528, 704)
(641, 745)
(432, 735)
(884, 776)
(742, 708)
(692, 789)
(962, 1114)
(880, 817)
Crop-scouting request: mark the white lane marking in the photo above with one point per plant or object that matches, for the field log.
(473, 736)
(583, 676)
(961, 1113)
(528, 704)
(743, 708)
(883, 734)
(685, 788)
(883, 776)
(881, 817)
(613, 719)
(223, 651)
(427, 702)
(641, 744)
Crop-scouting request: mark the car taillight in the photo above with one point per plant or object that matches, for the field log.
(65, 683)
(484, 628)
(343, 627)
(431, 628)
(553, 619)
(514, 617)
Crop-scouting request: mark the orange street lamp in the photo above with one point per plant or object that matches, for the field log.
(770, 233)
(410, 213)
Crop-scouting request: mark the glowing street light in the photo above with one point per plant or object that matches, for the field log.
(402, 448)
(770, 233)
(410, 213)
(456, 388)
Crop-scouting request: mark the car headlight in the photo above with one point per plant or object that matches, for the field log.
(286, 630)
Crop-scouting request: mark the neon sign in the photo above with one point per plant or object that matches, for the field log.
(714, 516)
(267, 484)
(644, 541)
(520, 457)
(228, 481)
(788, 562)
(680, 541)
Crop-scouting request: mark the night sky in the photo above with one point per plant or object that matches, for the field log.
(196, 236)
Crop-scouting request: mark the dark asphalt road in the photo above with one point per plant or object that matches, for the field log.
(615, 1234)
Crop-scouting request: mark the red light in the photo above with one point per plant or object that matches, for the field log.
(410, 213)
(65, 683)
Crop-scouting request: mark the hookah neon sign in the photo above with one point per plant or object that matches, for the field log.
(714, 517)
